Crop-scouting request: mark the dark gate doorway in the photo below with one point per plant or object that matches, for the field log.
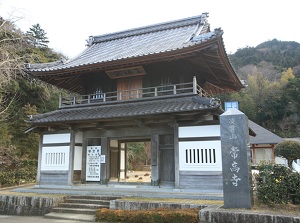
(130, 161)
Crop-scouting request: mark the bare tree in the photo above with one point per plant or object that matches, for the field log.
(11, 63)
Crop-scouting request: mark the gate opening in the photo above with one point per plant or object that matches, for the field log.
(130, 161)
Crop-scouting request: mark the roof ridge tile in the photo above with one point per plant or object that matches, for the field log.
(151, 28)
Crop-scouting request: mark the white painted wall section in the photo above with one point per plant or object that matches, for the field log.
(78, 158)
(55, 158)
(199, 131)
(57, 138)
(200, 156)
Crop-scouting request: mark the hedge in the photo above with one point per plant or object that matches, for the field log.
(158, 215)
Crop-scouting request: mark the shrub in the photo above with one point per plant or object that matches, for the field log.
(25, 170)
(289, 150)
(294, 190)
(277, 184)
(159, 215)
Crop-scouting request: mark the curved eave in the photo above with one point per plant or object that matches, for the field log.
(213, 47)
(129, 109)
(228, 66)
(129, 61)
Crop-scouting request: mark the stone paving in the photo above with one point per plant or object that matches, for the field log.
(27, 219)
(126, 190)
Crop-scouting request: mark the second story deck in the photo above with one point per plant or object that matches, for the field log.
(98, 98)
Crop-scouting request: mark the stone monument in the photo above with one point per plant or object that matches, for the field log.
(236, 165)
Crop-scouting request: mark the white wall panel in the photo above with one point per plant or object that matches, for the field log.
(78, 158)
(199, 131)
(57, 138)
(55, 158)
(200, 156)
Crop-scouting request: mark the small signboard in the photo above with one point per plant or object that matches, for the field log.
(93, 154)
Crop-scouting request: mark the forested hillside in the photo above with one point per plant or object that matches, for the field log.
(271, 96)
(281, 54)
(20, 95)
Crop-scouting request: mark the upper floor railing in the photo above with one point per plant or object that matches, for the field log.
(149, 92)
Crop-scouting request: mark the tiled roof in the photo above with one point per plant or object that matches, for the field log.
(263, 136)
(150, 40)
(128, 109)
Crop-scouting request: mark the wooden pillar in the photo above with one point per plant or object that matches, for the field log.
(104, 166)
(38, 175)
(273, 153)
(176, 156)
(83, 166)
(254, 154)
(71, 159)
(195, 85)
(155, 160)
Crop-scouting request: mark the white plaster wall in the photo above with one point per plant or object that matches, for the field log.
(55, 150)
(78, 158)
(200, 166)
(57, 138)
(199, 131)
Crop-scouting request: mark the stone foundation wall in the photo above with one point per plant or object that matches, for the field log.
(23, 205)
(214, 215)
(133, 205)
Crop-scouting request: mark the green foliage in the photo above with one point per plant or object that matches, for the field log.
(271, 111)
(37, 36)
(297, 72)
(284, 54)
(277, 184)
(25, 170)
(138, 155)
(21, 95)
(246, 103)
(159, 215)
(289, 150)
(271, 97)
(294, 192)
(291, 91)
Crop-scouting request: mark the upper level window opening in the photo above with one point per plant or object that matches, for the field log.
(98, 93)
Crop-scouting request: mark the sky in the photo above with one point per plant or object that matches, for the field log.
(69, 23)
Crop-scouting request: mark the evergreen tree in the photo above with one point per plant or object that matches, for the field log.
(37, 36)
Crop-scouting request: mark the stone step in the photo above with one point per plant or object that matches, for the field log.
(74, 217)
(81, 205)
(74, 210)
(86, 201)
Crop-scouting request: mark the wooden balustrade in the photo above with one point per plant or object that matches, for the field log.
(149, 92)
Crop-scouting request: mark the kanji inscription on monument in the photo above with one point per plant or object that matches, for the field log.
(235, 159)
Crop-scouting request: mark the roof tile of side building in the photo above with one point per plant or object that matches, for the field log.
(149, 40)
(263, 136)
